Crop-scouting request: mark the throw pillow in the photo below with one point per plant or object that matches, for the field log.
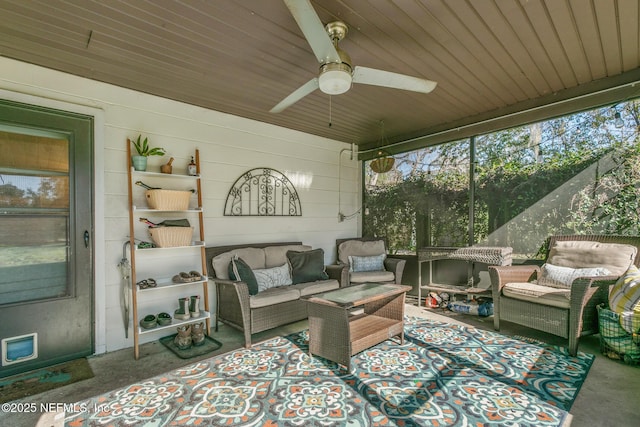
(240, 270)
(624, 299)
(367, 263)
(272, 277)
(562, 277)
(307, 266)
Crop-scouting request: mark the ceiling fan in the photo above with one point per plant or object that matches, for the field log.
(336, 70)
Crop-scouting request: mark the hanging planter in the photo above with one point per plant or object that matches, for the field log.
(382, 164)
(383, 161)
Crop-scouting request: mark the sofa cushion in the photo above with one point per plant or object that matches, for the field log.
(317, 286)
(371, 276)
(562, 277)
(254, 257)
(240, 270)
(360, 248)
(540, 294)
(274, 296)
(307, 266)
(272, 277)
(624, 299)
(615, 257)
(277, 255)
(367, 263)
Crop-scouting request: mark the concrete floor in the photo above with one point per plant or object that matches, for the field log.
(609, 396)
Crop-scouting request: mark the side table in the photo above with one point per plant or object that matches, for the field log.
(491, 255)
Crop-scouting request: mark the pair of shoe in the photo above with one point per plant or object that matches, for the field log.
(188, 308)
(182, 277)
(147, 283)
(150, 321)
(190, 335)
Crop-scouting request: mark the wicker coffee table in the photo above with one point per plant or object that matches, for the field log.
(347, 321)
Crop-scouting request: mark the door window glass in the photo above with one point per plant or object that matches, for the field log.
(34, 215)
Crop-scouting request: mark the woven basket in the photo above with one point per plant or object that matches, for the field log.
(169, 237)
(168, 200)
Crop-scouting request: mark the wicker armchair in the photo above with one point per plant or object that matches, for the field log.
(571, 321)
(364, 247)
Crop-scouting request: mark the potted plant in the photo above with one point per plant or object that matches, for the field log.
(144, 150)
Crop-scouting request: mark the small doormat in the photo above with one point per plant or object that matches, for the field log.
(209, 345)
(44, 379)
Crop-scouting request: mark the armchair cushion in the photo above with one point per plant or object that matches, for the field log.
(307, 266)
(367, 263)
(615, 257)
(240, 270)
(372, 276)
(539, 294)
(360, 248)
(562, 277)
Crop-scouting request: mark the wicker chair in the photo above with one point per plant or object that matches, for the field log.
(580, 318)
(365, 246)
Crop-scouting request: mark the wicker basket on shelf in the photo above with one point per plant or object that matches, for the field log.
(169, 237)
(168, 200)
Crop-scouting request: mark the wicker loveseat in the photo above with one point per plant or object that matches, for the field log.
(270, 308)
(521, 293)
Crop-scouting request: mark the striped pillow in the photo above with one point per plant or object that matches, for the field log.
(624, 299)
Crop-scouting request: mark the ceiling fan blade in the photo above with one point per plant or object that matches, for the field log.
(313, 30)
(296, 95)
(371, 76)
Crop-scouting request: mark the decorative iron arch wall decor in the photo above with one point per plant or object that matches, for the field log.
(262, 192)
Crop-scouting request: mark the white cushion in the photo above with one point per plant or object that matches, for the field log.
(562, 277)
(272, 277)
(615, 257)
(360, 248)
(274, 296)
(540, 294)
(254, 257)
(371, 276)
(310, 288)
(277, 255)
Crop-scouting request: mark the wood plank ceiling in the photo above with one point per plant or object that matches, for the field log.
(242, 57)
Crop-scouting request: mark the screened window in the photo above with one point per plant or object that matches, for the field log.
(578, 174)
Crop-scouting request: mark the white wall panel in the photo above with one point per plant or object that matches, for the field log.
(229, 146)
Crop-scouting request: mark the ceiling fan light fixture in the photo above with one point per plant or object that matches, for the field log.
(336, 70)
(335, 78)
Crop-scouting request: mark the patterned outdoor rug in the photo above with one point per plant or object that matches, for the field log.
(444, 375)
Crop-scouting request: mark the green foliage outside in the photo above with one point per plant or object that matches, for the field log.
(578, 174)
